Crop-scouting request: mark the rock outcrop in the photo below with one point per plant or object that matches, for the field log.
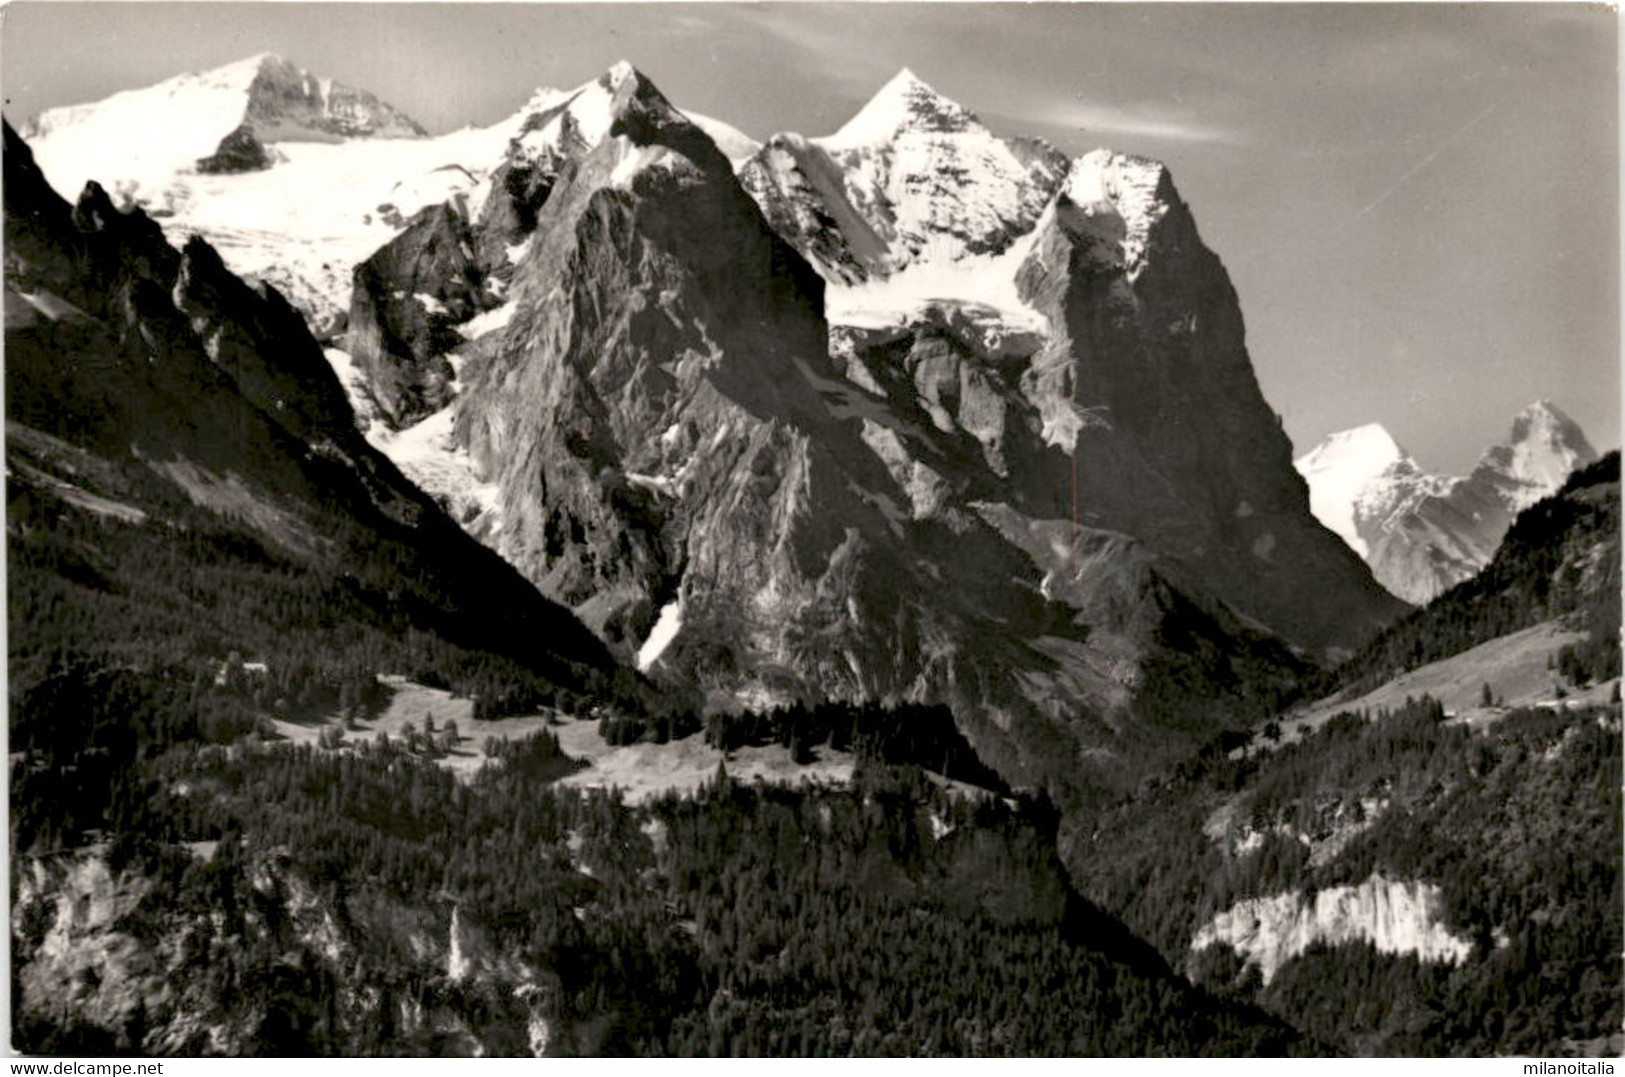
(407, 301)
(240, 151)
(1397, 917)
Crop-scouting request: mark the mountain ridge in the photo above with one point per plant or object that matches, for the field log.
(206, 395)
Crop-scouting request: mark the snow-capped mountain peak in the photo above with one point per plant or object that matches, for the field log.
(1119, 199)
(1545, 445)
(1340, 471)
(1368, 448)
(913, 178)
(905, 103)
(565, 125)
(213, 122)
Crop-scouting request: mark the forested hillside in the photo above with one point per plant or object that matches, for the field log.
(1407, 882)
(369, 903)
(1518, 827)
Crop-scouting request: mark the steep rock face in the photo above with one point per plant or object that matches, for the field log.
(552, 128)
(253, 334)
(287, 102)
(1115, 391)
(1422, 533)
(407, 301)
(1397, 917)
(802, 192)
(415, 299)
(651, 290)
(1144, 381)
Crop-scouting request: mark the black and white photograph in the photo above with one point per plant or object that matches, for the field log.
(813, 529)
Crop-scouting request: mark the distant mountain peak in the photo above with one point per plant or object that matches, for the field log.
(1543, 405)
(1341, 469)
(1420, 532)
(214, 121)
(1372, 442)
(1542, 448)
(1544, 419)
(905, 103)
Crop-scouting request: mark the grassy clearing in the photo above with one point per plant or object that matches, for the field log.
(1515, 666)
(410, 704)
(642, 771)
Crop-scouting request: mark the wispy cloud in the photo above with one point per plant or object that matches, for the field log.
(1144, 120)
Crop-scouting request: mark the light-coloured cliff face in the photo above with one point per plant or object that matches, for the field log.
(82, 954)
(1396, 916)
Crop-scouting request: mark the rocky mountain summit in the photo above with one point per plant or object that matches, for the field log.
(293, 177)
(1423, 533)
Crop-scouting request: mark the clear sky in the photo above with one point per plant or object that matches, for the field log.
(1418, 202)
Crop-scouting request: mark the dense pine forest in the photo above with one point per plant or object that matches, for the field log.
(891, 918)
